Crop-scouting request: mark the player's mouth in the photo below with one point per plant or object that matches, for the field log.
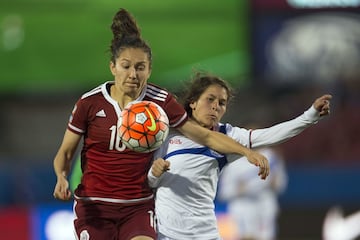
(213, 117)
(132, 84)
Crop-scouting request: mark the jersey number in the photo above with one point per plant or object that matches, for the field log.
(152, 219)
(115, 141)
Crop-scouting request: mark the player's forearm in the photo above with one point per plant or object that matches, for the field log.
(285, 130)
(64, 156)
(224, 144)
(212, 139)
(62, 165)
(60, 171)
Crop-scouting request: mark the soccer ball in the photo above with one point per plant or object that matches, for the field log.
(143, 126)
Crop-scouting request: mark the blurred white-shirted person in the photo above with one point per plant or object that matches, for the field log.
(253, 204)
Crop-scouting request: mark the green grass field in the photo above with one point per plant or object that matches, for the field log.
(56, 45)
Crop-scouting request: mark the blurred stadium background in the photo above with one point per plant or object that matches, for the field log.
(278, 55)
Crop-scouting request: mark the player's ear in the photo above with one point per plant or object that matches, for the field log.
(192, 105)
(112, 67)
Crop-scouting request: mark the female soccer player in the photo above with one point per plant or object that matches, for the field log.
(113, 200)
(186, 173)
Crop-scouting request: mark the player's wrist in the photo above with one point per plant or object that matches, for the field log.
(246, 152)
(61, 175)
(312, 114)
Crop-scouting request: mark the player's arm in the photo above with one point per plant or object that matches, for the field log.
(283, 131)
(223, 144)
(62, 164)
(158, 167)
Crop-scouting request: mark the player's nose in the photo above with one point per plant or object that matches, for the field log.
(215, 105)
(132, 73)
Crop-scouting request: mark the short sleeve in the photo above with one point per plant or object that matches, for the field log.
(78, 119)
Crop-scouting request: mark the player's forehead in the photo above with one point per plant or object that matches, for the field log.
(133, 55)
(215, 91)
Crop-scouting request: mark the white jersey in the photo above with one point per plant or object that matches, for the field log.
(185, 194)
(252, 202)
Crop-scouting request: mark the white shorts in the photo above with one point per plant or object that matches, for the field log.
(163, 237)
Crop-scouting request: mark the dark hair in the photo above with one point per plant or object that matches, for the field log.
(198, 85)
(126, 34)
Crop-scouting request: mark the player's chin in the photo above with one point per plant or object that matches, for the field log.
(208, 124)
(213, 123)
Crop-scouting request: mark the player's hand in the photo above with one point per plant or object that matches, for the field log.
(160, 166)
(261, 161)
(322, 104)
(61, 190)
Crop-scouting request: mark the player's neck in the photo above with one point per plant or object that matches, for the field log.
(120, 97)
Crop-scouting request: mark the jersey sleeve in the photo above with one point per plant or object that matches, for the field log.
(276, 134)
(241, 135)
(283, 131)
(78, 119)
(175, 112)
(152, 180)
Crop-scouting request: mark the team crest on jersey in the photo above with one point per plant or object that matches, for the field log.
(84, 235)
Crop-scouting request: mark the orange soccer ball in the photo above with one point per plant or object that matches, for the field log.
(143, 126)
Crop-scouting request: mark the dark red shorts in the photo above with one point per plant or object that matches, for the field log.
(98, 220)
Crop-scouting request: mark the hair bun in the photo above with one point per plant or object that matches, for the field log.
(124, 25)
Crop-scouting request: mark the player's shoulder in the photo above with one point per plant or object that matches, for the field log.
(224, 127)
(229, 128)
(95, 91)
(156, 93)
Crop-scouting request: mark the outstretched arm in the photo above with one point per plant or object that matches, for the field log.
(286, 130)
(224, 144)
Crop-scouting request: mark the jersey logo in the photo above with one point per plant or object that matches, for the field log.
(101, 113)
(175, 141)
(153, 124)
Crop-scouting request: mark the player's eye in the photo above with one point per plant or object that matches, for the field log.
(140, 68)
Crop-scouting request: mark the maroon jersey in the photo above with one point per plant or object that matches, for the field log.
(112, 172)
